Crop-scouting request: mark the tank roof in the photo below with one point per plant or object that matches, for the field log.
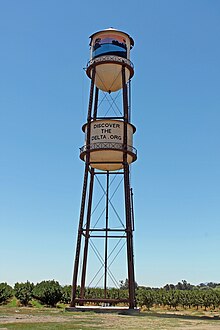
(113, 30)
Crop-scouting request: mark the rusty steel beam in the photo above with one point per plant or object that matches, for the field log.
(83, 201)
(104, 300)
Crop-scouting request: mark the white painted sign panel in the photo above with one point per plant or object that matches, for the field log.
(109, 131)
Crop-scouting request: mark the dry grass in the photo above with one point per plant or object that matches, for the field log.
(58, 319)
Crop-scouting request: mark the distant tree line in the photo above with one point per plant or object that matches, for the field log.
(182, 294)
(184, 285)
(174, 298)
(50, 293)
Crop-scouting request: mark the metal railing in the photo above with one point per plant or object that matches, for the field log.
(108, 145)
(110, 58)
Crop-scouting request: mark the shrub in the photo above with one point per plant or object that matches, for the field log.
(173, 298)
(66, 294)
(24, 292)
(48, 292)
(145, 297)
(6, 292)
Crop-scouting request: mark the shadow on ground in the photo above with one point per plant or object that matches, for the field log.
(180, 316)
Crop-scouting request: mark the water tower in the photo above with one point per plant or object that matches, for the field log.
(108, 150)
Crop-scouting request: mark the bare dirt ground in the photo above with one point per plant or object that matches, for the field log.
(152, 320)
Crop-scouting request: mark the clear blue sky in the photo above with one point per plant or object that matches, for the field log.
(176, 109)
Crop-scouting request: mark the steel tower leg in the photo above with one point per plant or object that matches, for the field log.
(129, 237)
(79, 237)
(87, 235)
(129, 234)
(106, 234)
(82, 210)
(88, 221)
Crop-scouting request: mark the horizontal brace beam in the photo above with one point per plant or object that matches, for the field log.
(104, 172)
(105, 162)
(112, 236)
(110, 118)
(105, 300)
(104, 229)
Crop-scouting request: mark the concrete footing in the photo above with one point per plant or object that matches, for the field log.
(100, 309)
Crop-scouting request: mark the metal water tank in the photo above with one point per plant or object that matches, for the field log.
(106, 144)
(110, 49)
